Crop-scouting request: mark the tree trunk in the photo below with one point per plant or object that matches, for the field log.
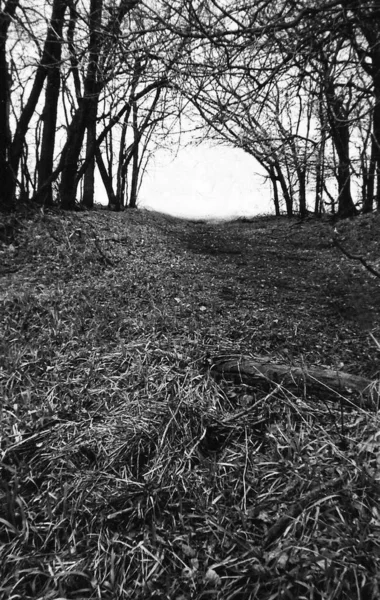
(273, 179)
(29, 109)
(45, 163)
(113, 200)
(92, 100)
(302, 192)
(135, 159)
(369, 179)
(121, 170)
(319, 176)
(376, 123)
(346, 207)
(285, 191)
(84, 117)
(341, 138)
(340, 133)
(89, 176)
(71, 153)
(88, 104)
(122, 180)
(135, 178)
(6, 175)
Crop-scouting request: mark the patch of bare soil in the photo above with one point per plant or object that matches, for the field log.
(300, 298)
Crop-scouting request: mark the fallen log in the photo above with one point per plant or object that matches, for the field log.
(352, 389)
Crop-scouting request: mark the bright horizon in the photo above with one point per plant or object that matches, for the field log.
(206, 182)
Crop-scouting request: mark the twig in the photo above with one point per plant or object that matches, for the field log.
(357, 257)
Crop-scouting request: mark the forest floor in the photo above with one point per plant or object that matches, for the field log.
(127, 469)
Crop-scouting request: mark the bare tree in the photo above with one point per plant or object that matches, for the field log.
(49, 115)
(84, 118)
(363, 20)
(255, 48)
(292, 83)
(130, 58)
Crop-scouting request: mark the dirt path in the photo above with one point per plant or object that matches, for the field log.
(275, 287)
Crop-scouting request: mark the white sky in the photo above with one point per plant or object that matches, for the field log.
(204, 181)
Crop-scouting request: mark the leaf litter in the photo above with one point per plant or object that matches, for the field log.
(127, 469)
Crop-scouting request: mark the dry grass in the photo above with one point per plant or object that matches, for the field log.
(127, 471)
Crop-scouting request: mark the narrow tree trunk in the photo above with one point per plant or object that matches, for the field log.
(318, 193)
(89, 176)
(45, 163)
(121, 171)
(135, 168)
(113, 201)
(376, 133)
(368, 21)
(73, 146)
(92, 89)
(84, 117)
(6, 176)
(135, 178)
(285, 191)
(123, 188)
(346, 207)
(30, 106)
(319, 176)
(273, 179)
(365, 181)
(135, 159)
(93, 99)
(122, 181)
(341, 139)
(369, 179)
(302, 192)
(340, 133)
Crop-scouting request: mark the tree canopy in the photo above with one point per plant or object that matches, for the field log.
(89, 84)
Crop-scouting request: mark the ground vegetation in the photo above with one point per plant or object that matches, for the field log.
(130, 467)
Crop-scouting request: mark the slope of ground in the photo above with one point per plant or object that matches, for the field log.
(127, 470)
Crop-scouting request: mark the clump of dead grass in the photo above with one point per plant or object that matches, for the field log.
(180, 487)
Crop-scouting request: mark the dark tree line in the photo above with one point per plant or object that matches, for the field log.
(98, 85)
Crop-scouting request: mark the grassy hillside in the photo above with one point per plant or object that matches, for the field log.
(127, 469)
